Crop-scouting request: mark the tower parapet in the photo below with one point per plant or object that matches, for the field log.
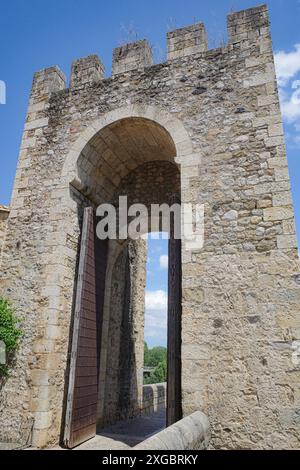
(244, 28)
(133, 56)
(47, 81)
(213, 116)
(86, 70)
(186, 41)
(248, 25)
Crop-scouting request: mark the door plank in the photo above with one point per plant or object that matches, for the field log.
(174, 410)
(81, 413)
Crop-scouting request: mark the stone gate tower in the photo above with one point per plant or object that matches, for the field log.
(205, 124)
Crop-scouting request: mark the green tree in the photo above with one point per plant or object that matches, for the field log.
(159, 374)
(10, 334)
(155, 355)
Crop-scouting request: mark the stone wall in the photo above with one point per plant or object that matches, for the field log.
(187, 41)
(4, 213)
(190, 433)
(154, 398)
(217, 112)
(150, 183)
(123, 342)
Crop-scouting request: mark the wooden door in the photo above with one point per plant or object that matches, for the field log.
(81, 412)
(174, 411)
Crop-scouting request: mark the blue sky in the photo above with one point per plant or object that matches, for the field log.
(156, 292)
(37, 33)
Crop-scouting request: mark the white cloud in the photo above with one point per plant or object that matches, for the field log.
(288, 76)
(163, 261)
(290, 103)
(296, 141)
(156, 331)
(156, 316)
(156, 300)
(155, 322)
(287, 65)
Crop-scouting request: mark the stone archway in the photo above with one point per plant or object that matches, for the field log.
(171, 124)
(118, 159)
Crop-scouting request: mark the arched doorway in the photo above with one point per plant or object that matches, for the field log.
(132, 157)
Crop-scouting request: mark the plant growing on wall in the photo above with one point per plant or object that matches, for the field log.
(10, 334)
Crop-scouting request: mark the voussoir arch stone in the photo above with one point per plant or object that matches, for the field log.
(162, 117)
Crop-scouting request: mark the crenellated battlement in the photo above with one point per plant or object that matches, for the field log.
(86, 70)
(133, 56)
(248, 25)
(243, 28)
(187, 41)
(47, 81)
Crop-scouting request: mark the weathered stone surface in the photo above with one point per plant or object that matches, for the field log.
(121, 390)
(278, 213)
(86, 70)
(4, 213)
(186, 41)
(133, 56)
(230, 215)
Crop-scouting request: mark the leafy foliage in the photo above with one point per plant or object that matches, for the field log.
(156, 357)
(10, 334)
(146, 354)
(152, 357)
(158, 375)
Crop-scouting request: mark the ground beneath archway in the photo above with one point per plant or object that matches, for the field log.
(126, 434)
